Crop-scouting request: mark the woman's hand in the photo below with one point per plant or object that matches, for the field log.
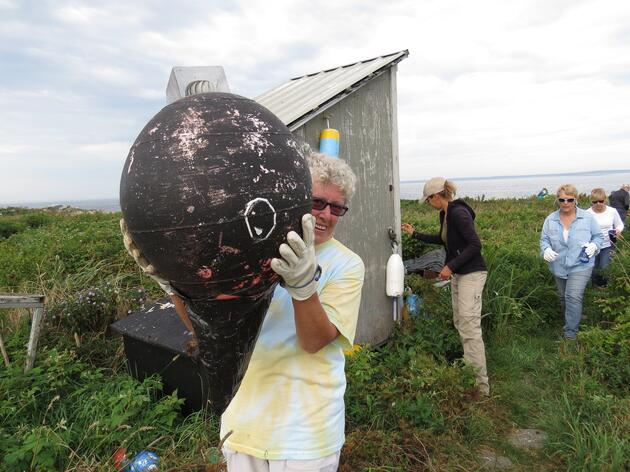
(445, 273)
(407, 228)
(298, 264)
(550, 255)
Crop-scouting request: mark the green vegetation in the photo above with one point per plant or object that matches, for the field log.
(410, 404)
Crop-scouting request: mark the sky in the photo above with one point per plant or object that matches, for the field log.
(489, 87)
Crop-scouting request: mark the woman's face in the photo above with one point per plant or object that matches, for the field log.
(325, 221)
(435, 201)
(598, 204)
(567, 203)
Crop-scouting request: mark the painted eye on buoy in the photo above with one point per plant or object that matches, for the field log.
(260, 218)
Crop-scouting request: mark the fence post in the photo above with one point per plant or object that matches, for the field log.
(27, 301)
(5, 356)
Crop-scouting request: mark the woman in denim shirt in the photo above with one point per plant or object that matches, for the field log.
(564, 234)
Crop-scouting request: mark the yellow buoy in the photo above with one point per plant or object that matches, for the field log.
(329, 142)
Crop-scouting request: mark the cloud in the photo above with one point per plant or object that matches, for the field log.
(490, 87)
(113, 75)
(8, 5)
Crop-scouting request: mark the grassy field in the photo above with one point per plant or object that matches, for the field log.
(410, 403)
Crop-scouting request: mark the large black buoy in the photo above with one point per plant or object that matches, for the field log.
(209, 190)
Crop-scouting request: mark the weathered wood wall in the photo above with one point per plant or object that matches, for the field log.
(366, 120)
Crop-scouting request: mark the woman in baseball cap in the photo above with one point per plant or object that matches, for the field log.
(464, 267)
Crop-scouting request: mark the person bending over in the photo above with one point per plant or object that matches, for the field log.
(464, 266)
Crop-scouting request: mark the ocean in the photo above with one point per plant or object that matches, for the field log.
(524, 186)
(104, 204)
(507, 186)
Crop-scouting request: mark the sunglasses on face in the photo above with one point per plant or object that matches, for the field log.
(597, 201)
(320, 204)
(426, 200)
(563, 200)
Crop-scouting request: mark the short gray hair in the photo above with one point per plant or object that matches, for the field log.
(328, 170)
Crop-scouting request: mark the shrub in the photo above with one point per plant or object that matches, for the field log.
(94, 309)
(9, 228)
(38, 219)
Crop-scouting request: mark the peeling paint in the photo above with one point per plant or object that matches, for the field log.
(204, 272)
(190, 133)
(130, 160)
(154, 129)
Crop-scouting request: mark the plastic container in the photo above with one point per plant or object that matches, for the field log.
(144, 461)
(413, 303)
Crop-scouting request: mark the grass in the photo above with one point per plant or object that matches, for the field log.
(410, 403)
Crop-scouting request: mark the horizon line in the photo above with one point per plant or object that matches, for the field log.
(584, 172)
(489, 177)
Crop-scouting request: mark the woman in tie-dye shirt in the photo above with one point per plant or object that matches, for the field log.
(289, 413)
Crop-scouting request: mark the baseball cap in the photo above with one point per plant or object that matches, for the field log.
(433, 186)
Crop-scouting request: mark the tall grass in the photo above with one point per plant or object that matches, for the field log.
(590, 442)
(66, 414)
(410, 403)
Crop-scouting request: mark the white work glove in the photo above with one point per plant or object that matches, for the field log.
(550, 255)
(590, 249)
(298, 265)
(142, 261)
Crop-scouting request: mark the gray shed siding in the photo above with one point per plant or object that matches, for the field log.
(366, 120)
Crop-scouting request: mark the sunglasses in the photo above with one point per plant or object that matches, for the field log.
(320, 204)
(426, 200)
(569, 200)
(597, 201)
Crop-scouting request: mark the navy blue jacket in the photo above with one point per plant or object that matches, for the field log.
(463, 247)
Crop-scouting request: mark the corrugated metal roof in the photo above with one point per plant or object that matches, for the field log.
(295, 101)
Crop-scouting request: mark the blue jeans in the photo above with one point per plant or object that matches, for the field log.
(602, 260)
(571, 292)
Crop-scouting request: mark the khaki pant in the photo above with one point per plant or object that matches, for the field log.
(466, 293)
(240, 462)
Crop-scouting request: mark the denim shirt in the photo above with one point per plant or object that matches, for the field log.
(584, 229)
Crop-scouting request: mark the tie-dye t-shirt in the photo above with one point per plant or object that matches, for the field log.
(290, 403)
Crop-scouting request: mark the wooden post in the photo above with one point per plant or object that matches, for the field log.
(27, 301)
(38, 315)
(5, 356)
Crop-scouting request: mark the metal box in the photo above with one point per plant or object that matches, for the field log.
(155, 342)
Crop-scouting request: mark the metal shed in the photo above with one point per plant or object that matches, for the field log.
(359, 100)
